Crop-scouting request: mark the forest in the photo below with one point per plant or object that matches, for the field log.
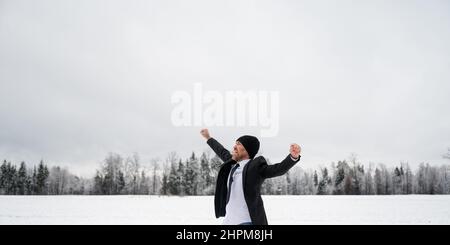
(119, 175)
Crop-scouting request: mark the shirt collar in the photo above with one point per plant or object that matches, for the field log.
(243, 162)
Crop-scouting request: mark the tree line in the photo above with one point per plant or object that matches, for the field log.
(196, 175)
(38, 180)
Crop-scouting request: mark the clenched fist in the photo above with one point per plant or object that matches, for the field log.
(295, 150)
(205, 133)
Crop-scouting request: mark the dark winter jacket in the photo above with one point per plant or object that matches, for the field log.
(254, 174)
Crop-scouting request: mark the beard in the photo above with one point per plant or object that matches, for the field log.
(237, 157)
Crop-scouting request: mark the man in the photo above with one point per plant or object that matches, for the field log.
(238, 187)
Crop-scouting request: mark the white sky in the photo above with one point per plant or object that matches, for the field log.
(79, 79)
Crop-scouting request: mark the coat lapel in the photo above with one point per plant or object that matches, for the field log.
(244, 174)
(224, 171)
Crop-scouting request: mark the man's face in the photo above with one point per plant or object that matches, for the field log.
(239, 153)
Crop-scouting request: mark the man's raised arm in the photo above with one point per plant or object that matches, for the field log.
(274, 170)
(218, 148)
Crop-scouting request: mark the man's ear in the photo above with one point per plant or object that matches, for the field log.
(248, 156)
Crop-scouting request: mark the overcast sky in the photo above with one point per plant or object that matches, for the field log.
(79, 79)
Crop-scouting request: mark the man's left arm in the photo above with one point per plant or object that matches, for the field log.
(274, 170)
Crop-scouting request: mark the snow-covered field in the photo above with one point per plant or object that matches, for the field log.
(155, 210)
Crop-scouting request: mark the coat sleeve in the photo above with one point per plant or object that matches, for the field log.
(218, 148)
(278, 169)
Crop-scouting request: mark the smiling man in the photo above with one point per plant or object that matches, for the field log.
(238, 187)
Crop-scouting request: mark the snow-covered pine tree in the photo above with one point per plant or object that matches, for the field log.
(322, 188)
(144, 186)
(22, 179)
(379, 188)
(181, 177)
(316, 179)
(155, 182)
(41, 178)
(192, 175)
(342, 167)
(173, 185)
(205, 183)
(164, 185)
(120, 183)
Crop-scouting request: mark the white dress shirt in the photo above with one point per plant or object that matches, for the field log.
(236, 209)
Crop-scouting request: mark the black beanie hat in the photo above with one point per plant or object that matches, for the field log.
(250, 143)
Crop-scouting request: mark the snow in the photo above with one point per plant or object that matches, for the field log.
(163, 210)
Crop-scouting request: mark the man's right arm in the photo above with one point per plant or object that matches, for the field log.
(218, 148)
